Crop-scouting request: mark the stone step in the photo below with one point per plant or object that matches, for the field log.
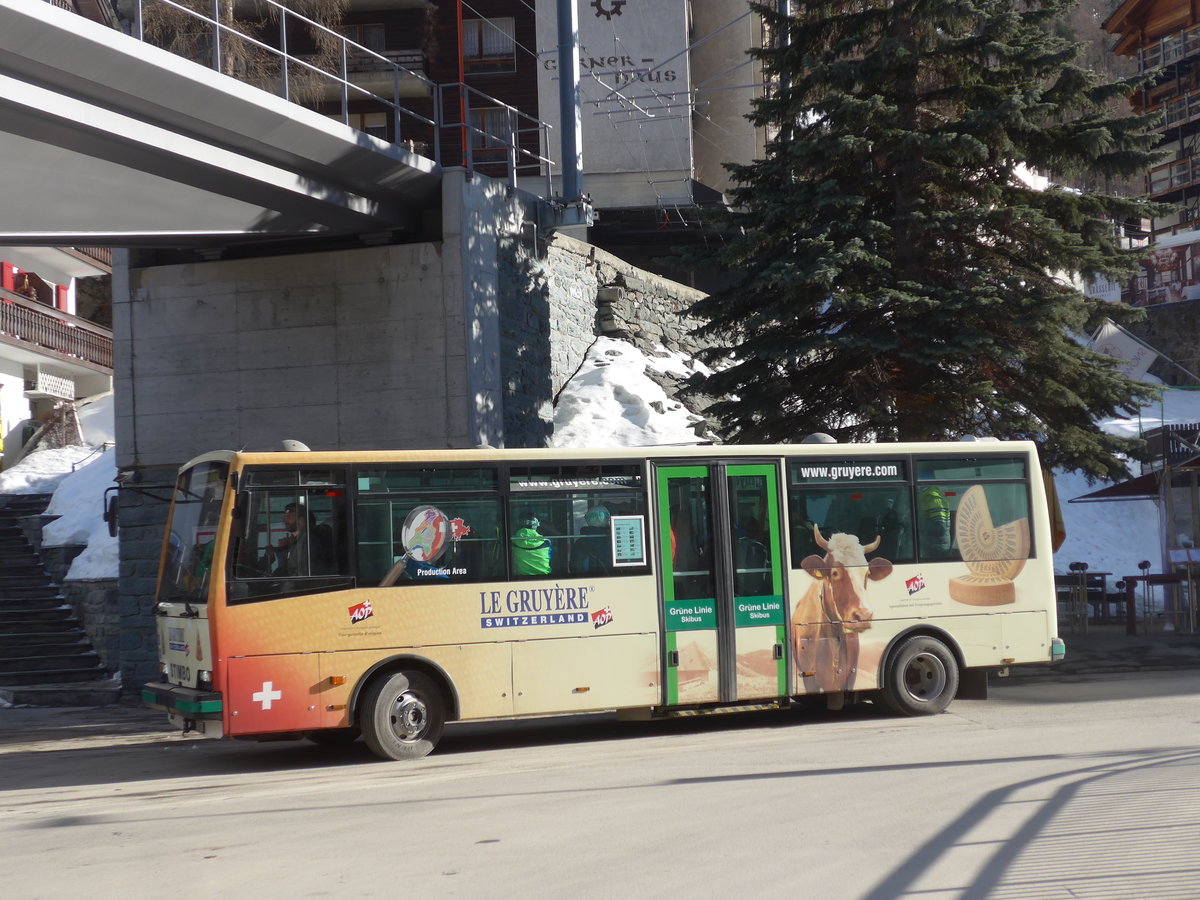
(21, 590)
(18, 581)
(43, 642)
(23, 570)
(67, 673)
(30, 592)
(55, 601)
(21, 501)
(28, 661)
(100, 692)
(30, 621)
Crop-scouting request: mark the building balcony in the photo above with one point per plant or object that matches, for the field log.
(1181, 111)
(390, 74)
(1166, 182)
(1172, 444)
(1171, 49)
(54, 335)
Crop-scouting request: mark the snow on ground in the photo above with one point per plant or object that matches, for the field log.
(1114, 536)
(42, 472)
(610, 402)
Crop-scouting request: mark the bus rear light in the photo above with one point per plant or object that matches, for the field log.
(335, 680)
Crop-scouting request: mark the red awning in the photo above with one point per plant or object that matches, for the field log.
(1144, 487)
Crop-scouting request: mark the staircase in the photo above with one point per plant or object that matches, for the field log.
(46, 658)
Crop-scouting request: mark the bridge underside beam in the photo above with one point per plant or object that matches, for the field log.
(108, 141)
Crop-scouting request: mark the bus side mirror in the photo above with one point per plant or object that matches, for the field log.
(111, 501)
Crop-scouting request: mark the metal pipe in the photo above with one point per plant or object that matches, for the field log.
(568, 100)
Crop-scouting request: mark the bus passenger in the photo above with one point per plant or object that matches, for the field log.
(593, 551)
(531, 551)
(933, 518)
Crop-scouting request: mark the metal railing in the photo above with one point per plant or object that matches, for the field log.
(409, 128)
(1180, 110)
(28, 322)
(1174, 175)
(1170, 49)
(1173, 443)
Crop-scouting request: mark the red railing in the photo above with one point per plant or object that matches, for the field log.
(61, 333)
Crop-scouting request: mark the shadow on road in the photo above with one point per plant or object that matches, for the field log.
(147, 756)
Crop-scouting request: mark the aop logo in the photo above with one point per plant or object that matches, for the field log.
(608, 13)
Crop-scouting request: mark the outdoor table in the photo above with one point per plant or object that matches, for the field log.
(1130, 595)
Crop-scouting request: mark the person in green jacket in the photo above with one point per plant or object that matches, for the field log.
(933, 519)
(531, 551)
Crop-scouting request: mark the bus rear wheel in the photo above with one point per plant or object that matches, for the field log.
(402, 715)
(921, 677)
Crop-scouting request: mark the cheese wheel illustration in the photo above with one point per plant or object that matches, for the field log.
(994, 555)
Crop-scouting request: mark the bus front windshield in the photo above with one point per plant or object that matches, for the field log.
(192, 532)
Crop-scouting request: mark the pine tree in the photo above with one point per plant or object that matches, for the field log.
(893, 276)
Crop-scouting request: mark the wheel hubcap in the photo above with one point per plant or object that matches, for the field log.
(409, 717)
(925, 677)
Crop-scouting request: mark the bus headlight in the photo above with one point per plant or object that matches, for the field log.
(164, 672)
(204, 680)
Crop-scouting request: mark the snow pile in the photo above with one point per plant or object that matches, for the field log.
(611, 402)
(79, 504)
(77, 476)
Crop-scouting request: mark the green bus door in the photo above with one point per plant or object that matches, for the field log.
(725, 634)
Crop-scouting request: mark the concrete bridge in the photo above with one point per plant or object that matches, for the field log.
(107, 140)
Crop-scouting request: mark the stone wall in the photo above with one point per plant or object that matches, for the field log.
(556, 297)
(97, 605)
(142, 516)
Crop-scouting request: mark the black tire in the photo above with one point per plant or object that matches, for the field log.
(921, 677)
(334, 737)
(402, 715)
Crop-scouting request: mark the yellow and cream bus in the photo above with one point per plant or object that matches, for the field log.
(326, 594)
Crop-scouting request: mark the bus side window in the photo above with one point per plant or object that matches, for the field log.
(567, 532)
(428, 539)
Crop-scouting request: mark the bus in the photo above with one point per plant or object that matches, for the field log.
(330, 595)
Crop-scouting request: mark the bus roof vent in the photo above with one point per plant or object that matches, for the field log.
(293, 446)
(819, 437)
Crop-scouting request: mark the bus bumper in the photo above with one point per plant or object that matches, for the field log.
(1058, 650)
(186, 708)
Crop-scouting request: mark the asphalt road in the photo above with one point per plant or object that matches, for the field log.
(1075, 788)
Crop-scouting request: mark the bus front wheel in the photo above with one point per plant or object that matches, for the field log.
(402, 715)
(921, 677)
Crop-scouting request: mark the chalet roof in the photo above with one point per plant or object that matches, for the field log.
(1142, 22)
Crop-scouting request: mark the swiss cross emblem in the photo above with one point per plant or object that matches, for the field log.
(267, 695)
